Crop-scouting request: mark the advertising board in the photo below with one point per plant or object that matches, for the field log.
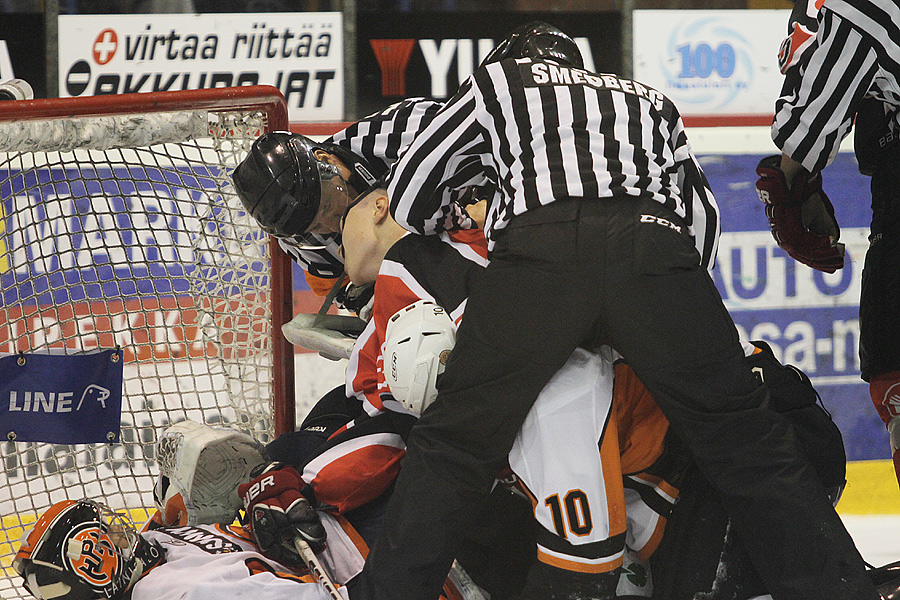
(711, 62)
(299, 53)
(429, 54)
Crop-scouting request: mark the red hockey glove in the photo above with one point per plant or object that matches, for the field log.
(278, 511)
(885, 391)
(801, 218)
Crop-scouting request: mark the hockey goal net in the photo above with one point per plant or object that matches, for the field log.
(120, 228)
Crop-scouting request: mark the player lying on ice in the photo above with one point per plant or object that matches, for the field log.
(409, 268)
(81, 550)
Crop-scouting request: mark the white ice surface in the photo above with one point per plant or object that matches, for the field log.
(877, 537)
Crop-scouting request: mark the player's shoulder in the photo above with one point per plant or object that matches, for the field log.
(412, 249)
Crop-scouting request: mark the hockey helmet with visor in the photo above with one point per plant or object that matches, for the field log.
(79, 550)
(294, 186)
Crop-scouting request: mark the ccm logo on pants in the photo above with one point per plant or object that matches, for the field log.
(660, 221)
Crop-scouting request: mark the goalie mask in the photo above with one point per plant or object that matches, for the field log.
(82, 549)
(291, 190)
(418, 341)
(537, 40)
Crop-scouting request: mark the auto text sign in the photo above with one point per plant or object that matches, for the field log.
(711, 62)
(299, 53)
(809, 318)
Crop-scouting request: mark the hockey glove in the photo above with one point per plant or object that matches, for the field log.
(357, 298)
(801, 218)
(278, 512)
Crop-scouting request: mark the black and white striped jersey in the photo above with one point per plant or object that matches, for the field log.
(856, 53)
(379, 140)
(539, 132)
(381, 137)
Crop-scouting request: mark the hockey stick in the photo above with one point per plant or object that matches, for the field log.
(464, 584)
(315, 567)
(332, 294)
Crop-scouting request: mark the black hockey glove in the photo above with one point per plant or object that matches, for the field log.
(278, 512)
(792, 394)
(356, 298)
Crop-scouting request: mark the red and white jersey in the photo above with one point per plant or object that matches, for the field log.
(436, 268)
(360, 461)
(211, 562)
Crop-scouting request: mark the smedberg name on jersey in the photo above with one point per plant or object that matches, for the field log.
(547, 73)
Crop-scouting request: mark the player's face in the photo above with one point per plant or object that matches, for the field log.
(336, 194)
(359, 242)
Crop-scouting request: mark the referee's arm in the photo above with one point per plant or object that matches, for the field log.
(703, 212)
(814, 115)
(432, 163)
(381, 137)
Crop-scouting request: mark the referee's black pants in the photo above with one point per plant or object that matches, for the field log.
(615, 271)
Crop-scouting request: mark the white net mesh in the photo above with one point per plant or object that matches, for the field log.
(125, 232)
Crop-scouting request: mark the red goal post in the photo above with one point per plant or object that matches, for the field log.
(119, 227)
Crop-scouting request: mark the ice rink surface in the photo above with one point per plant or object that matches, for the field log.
(877, 537)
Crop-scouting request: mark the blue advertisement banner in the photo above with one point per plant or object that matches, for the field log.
(811, 319)
(82, 233)
(61, 399)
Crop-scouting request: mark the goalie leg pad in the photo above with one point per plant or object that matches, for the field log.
(200, 469)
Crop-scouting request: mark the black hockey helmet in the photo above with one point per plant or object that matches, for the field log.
(537, 40)
(285, 186)
(81, 550)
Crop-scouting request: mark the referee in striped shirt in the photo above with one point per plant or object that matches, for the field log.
(849, 69)
(601, 231)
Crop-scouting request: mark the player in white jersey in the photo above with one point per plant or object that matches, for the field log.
(219, 561)
(191, 548)
(80, 550)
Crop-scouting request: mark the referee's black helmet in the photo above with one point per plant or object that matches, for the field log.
(293, 185)
(279, 183)
(537, 40)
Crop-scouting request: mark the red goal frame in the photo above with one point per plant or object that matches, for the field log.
(263, 98)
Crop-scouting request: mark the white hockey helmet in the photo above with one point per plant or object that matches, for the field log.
(418, 341)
